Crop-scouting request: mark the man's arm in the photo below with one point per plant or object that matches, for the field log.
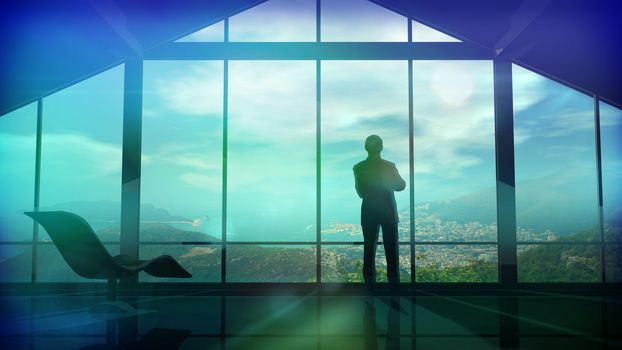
(356, 182)
(398, 183)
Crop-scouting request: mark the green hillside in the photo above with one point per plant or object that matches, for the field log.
(255, 263)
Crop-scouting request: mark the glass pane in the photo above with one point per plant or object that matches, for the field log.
(214, 32)
(203, 262)
(81, 151)
(15, 263)
(18, 137)
(361, 20)
(559, 263)
(613, 263)
(381, 264)
(454, 136)
(345, 263)
(361, 98)
(456, 263)
(264, 263)
(611, 157)
(423, 33)
(181, 180)
(275, 20)
(51, 267)
(555, 160)
(271, 151)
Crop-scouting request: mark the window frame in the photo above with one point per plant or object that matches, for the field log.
(504, 146)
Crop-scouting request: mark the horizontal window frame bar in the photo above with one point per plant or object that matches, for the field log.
(456, 243)
(464, 288)
(52, 243)
(404, 243)
(612, 243)
(607, 243)
(318, 51)
(560, 243)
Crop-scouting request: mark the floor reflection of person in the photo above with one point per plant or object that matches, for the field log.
(392, 340)
(376, 180)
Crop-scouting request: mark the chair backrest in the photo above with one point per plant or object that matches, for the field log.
(77, 243)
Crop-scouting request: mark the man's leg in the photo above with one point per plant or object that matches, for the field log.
(370, 237)
(389, 239)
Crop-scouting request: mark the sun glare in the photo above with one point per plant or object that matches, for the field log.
(452, 85)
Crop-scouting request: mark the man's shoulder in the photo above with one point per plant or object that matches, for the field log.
(387, 163)
(359, 165)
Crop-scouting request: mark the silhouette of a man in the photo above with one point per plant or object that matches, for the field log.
(375, 180)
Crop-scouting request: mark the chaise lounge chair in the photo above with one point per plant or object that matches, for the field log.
(87, 256)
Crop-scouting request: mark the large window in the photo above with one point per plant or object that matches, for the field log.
(81, 152)
(454, 171)
(247, 153)
(17, 177)
(556, 182)
(182, 150)
(364, 22)
(271, 151)
(271, 191)
(611, 158)
(360, 98)
(81, 147)
(275, 21)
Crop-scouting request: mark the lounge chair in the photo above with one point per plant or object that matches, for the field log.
(87, 256)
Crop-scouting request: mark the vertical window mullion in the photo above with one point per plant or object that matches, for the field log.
(599, 179)
(225, 121)
(131, 160)
(504, 159)
(37, 184)
(411, 159)
(318, 150)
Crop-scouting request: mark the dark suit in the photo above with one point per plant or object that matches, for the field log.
(375, 180)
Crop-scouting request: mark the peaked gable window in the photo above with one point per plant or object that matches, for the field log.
(275, 20)
(361, 20)
(212, 33)
(423, 33)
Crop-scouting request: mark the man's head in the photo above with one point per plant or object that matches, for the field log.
(373, 144)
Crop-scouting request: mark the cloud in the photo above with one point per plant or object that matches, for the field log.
(86, 157)
(193, 89)
(261, 170)
(452, 133)
(11, 144)
(365, 22)
(275, 20)
(203, 181)
(544, 108)
(272, 116)
(188, 155)
(190, 163)
(272, 103)
(151, 113)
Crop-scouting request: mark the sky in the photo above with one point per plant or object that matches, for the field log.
(555, 154)
(271, 148)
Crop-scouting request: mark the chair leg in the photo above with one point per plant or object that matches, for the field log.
(112, 289)
(112, 306)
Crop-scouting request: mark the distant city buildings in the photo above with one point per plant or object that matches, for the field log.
(431, 228)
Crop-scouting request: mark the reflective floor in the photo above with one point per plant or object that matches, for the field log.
(308, 321)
